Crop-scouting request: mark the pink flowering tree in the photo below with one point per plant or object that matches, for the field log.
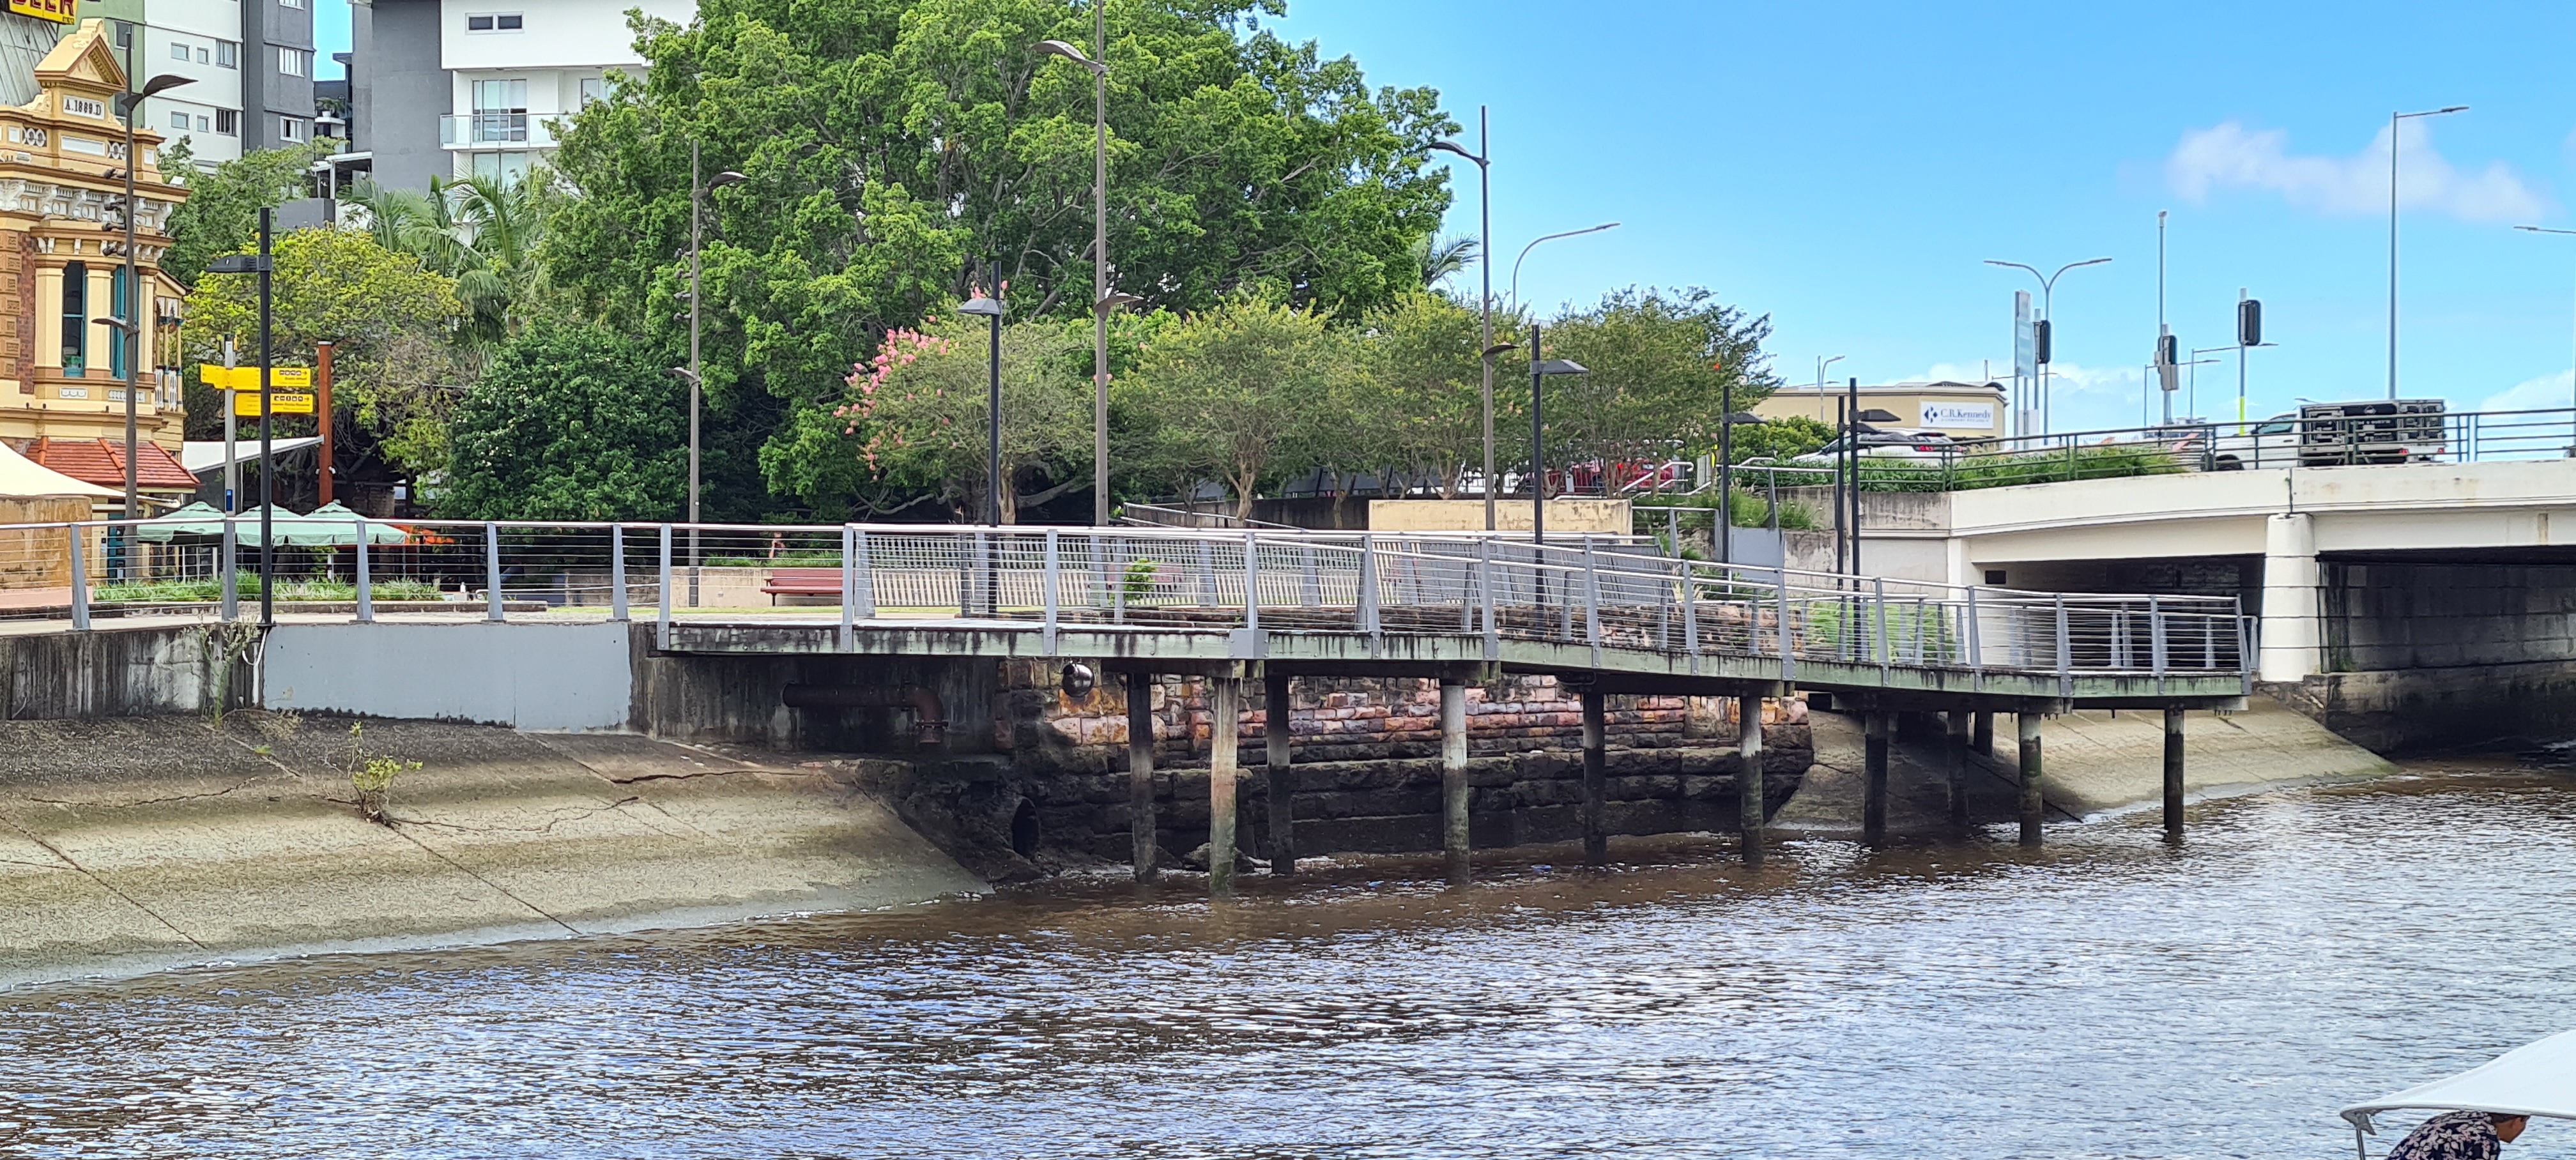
(915, 413)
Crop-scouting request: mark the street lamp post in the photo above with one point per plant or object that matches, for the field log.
(2047, 315)
(991, 308)
(1102, 301)
(1525, 252)
(1483, 158)
(2393, 120)
(131, 322)
(1540, 368)
(696, 374)
(2572, 382)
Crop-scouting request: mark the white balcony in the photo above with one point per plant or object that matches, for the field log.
(496, 131)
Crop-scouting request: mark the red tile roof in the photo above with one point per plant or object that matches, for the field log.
(102, 461)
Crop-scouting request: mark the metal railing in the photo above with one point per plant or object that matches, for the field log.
(2289, 441)
(1604, 593)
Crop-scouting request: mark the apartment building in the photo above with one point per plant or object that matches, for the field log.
(249, 64)
(459, 87)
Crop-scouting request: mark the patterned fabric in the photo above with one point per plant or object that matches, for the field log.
(2457, 1136)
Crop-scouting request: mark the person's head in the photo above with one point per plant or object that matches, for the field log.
(2508, 1127)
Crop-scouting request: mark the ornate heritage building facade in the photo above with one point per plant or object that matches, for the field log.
(62, 273)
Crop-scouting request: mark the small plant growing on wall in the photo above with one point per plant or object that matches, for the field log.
(372, 775)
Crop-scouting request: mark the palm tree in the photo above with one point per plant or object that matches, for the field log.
(482, 231)
(1440, 258)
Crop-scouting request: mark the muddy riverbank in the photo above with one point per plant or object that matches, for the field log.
(134, 844)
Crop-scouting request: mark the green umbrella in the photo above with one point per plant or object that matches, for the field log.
(196, 519)
(333, 515)
(330, 525)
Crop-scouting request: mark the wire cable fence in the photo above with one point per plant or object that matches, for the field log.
(1589, 593)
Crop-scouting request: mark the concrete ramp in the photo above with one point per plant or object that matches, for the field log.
(133, 845)
(2098, 764)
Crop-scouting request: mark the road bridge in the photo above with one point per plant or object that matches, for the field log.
(2403, 604)
(1605, 617)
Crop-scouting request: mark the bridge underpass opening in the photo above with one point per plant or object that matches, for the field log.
(2237, 576)
(2431, 649)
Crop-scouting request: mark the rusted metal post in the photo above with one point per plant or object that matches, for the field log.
(1877, 725)
(1596, 778)
(1281, 775)
(2173, 770)
(1140, 773)
(1225, 701)
(1959, 730)
(1453, 779)
(2027, 725)
(1748, 776)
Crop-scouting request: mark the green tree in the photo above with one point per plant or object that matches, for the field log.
(1240, 393)
(916, 422)
(891, 143)
(1786, 438)
(569, 422)
(1418, 407)
(1662, 364)
(221, 215)
(391, 324)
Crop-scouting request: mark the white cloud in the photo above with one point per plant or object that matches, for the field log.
(2230, 155)
(2547, 391)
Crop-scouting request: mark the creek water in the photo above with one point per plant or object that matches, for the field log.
(2110, 996)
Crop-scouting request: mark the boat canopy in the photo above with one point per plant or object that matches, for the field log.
(2536, 1079)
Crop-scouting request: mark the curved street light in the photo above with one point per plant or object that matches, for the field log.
(2047, 314)
(1103, 300)
(1525, 252)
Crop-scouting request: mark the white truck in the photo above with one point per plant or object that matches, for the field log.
(2336, 435)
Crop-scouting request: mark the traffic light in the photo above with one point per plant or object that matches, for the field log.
(2249, 322)
(2168, 351)
(2039, 342)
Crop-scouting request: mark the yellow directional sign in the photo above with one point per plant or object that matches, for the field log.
(246, 403)
(247, 378)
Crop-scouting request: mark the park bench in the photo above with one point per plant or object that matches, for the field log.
(802, 582)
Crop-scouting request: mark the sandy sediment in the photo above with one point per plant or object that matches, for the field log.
(143, 843)
(2096, 763)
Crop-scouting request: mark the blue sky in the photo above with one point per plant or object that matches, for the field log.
(1844, 168)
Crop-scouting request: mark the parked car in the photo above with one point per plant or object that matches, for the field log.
(1886, 443)
(2336, 434)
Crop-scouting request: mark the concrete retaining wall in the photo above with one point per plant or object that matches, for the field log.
(568, 677)
(2403, 710)
(124, 672)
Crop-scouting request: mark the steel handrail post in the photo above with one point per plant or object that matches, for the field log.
(1591, 602)
(1690, 612)
(1368, 592)
(1493, 631)
(1976, 658)
(366, 587)
(2065, 652)
(1878, 597)
(492, 569)
(617, 596)
(1788, 662)
(864, 570)
(2156, 642)
(1252, 581)
(662, 592)
(80, 580)
(1047, 633)
(849, 635)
